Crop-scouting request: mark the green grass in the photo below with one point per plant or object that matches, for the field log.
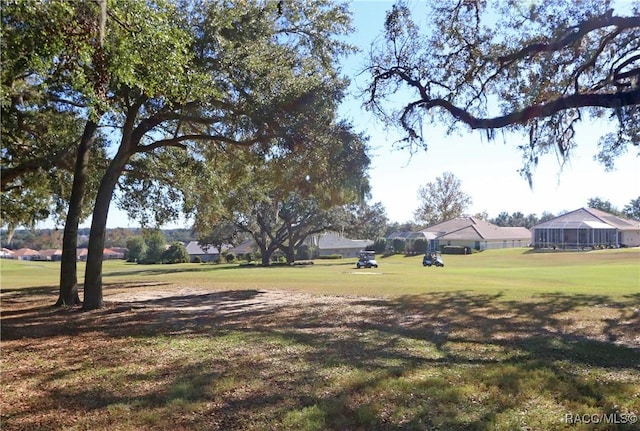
(512, 273)
(500, 340)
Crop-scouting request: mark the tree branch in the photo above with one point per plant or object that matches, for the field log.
(605, 20)
(178, 142)
(615, 100)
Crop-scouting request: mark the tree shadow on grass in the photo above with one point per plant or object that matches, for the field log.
(253, 359)
(167, 269)
(161, 269)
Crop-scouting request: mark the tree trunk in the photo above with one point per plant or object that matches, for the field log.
(290, 253)
(266, 256)
(93, 271)
(68, 268)
(289, 250)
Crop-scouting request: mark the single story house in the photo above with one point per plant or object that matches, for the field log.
(5, 253)
(398, 235)
(246, 247)
(113, 253)
(333, 243)
(206, 254)
(53, 254)
(475, 233)
(82, 253)
(409, 238)
(121, 251)
(28, 254)
(586, 228)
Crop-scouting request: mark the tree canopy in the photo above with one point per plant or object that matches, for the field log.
(179, 84)
(632, 209)
(44, 47)
(282, 197)
(441, 200)
(535, 68)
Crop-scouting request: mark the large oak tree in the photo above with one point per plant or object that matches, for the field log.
(177, 76)
(211, 75)
(282, 197)
(536, 68)
(53, 84)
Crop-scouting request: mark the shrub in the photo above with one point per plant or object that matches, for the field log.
(196, 259)
(230, 257)
(330, 256)
(380, 246)
(398, 245)
(420, 246)
(176, 253)
(136, 249)
(303, 252)
(454, 249)
(156, 246)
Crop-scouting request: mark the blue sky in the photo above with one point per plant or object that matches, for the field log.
(487, 169)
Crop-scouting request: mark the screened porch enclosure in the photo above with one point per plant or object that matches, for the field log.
(575, 234)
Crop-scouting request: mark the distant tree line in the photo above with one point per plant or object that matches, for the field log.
(356, 222)
(518, 219)
(43, 239)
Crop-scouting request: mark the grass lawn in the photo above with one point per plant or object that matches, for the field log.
(500, 340)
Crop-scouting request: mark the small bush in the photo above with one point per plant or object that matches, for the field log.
(330, 256)
(230, 257)
(196, 259)
(454, 249)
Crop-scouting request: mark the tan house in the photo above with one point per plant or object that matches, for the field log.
(474, 233)
(5, 253)
(28, 254)
(53, 254)
(586, 228)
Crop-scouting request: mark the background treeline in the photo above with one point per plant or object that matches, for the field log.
(42, 239)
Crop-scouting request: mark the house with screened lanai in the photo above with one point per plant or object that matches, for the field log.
(586, 228)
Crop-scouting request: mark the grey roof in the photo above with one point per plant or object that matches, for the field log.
(454, 225)
(471, 228)
(422, 235)
(193, 248)
(488, 233)
(247, 246)
(399, 235)
(585, 218)
(617, 222)
(335, 241)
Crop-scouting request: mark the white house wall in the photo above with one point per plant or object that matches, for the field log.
(630, 238)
